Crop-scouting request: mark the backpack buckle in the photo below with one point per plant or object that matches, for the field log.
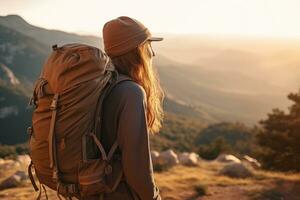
(55, 174)
(108, 169)
(67, 189)
(53, 105)
(29, 130)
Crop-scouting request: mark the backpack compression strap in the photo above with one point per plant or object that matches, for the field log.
(52, 146)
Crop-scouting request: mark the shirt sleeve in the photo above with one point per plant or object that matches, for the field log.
(134, 143)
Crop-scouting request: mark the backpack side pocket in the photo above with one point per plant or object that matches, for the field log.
(91, 177)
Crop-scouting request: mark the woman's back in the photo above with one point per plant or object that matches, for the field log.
(124, 119)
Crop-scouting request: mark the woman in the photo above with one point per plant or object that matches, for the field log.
(133, 109)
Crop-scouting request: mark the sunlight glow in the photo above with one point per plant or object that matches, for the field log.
(278, 18)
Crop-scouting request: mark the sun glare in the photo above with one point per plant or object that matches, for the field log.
(234, 17)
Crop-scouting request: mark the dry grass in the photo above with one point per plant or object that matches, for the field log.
(180, 182)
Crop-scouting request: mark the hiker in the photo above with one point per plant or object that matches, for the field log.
(93, 113)
(133, 109)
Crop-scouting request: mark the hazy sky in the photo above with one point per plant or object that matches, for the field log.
(278, 18)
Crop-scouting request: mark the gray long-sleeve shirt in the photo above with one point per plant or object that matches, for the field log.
(124, 119)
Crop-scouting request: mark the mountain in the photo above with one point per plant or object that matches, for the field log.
(45, 36)
(23, 55)
(20, 62)
(224, 95)
(232, 79)
(14, 116)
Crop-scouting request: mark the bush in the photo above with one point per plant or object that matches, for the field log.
(160, 168)
(214, 149)
(225, 137)
(270, 194)
(200, 189)
(13, 150)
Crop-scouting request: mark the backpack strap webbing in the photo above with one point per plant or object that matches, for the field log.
(42, 186)
(99, 145)
(31, 176)
(52, 143)
(40, 193)
(98, 115)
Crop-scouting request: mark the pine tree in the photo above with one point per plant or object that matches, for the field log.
(279, 138)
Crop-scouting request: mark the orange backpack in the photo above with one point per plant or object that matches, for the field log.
(65, 149)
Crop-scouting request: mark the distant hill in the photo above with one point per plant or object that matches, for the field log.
(45, 36)
(229, 81)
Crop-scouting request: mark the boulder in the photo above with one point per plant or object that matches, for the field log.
(24, 160)
(188, 159)
(236, 170)
(251, 161)
(167, 158)
(228, 158)
(14, 180)
(10, 182)
(154, 157)
(23, 175)
(154, 154)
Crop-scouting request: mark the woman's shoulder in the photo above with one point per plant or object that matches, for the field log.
(129, 89)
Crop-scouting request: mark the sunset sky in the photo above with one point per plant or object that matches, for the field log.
(277, 18)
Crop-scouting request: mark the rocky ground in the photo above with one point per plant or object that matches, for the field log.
(202, 180)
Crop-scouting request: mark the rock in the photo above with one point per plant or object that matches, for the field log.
(188, 159)
(167, 158)
(9, 164)
(154, 157)
(23, 175)
(14, 180)
(251, 161)
(154, 154)
(10, 182)
(228, 158)
(24, 160)
(236, 170)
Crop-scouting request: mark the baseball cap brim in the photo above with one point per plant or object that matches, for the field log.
(155, 39)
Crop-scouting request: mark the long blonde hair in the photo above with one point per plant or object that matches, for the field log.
(137, 65)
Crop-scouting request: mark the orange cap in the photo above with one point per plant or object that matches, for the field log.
(123, 34)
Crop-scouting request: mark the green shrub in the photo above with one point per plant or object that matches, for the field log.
(213, 150)
(12, 151)
(200, 189)
(270, 194)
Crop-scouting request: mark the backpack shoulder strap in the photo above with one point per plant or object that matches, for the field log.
(119, 78)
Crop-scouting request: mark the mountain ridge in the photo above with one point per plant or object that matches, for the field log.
(48, 37)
